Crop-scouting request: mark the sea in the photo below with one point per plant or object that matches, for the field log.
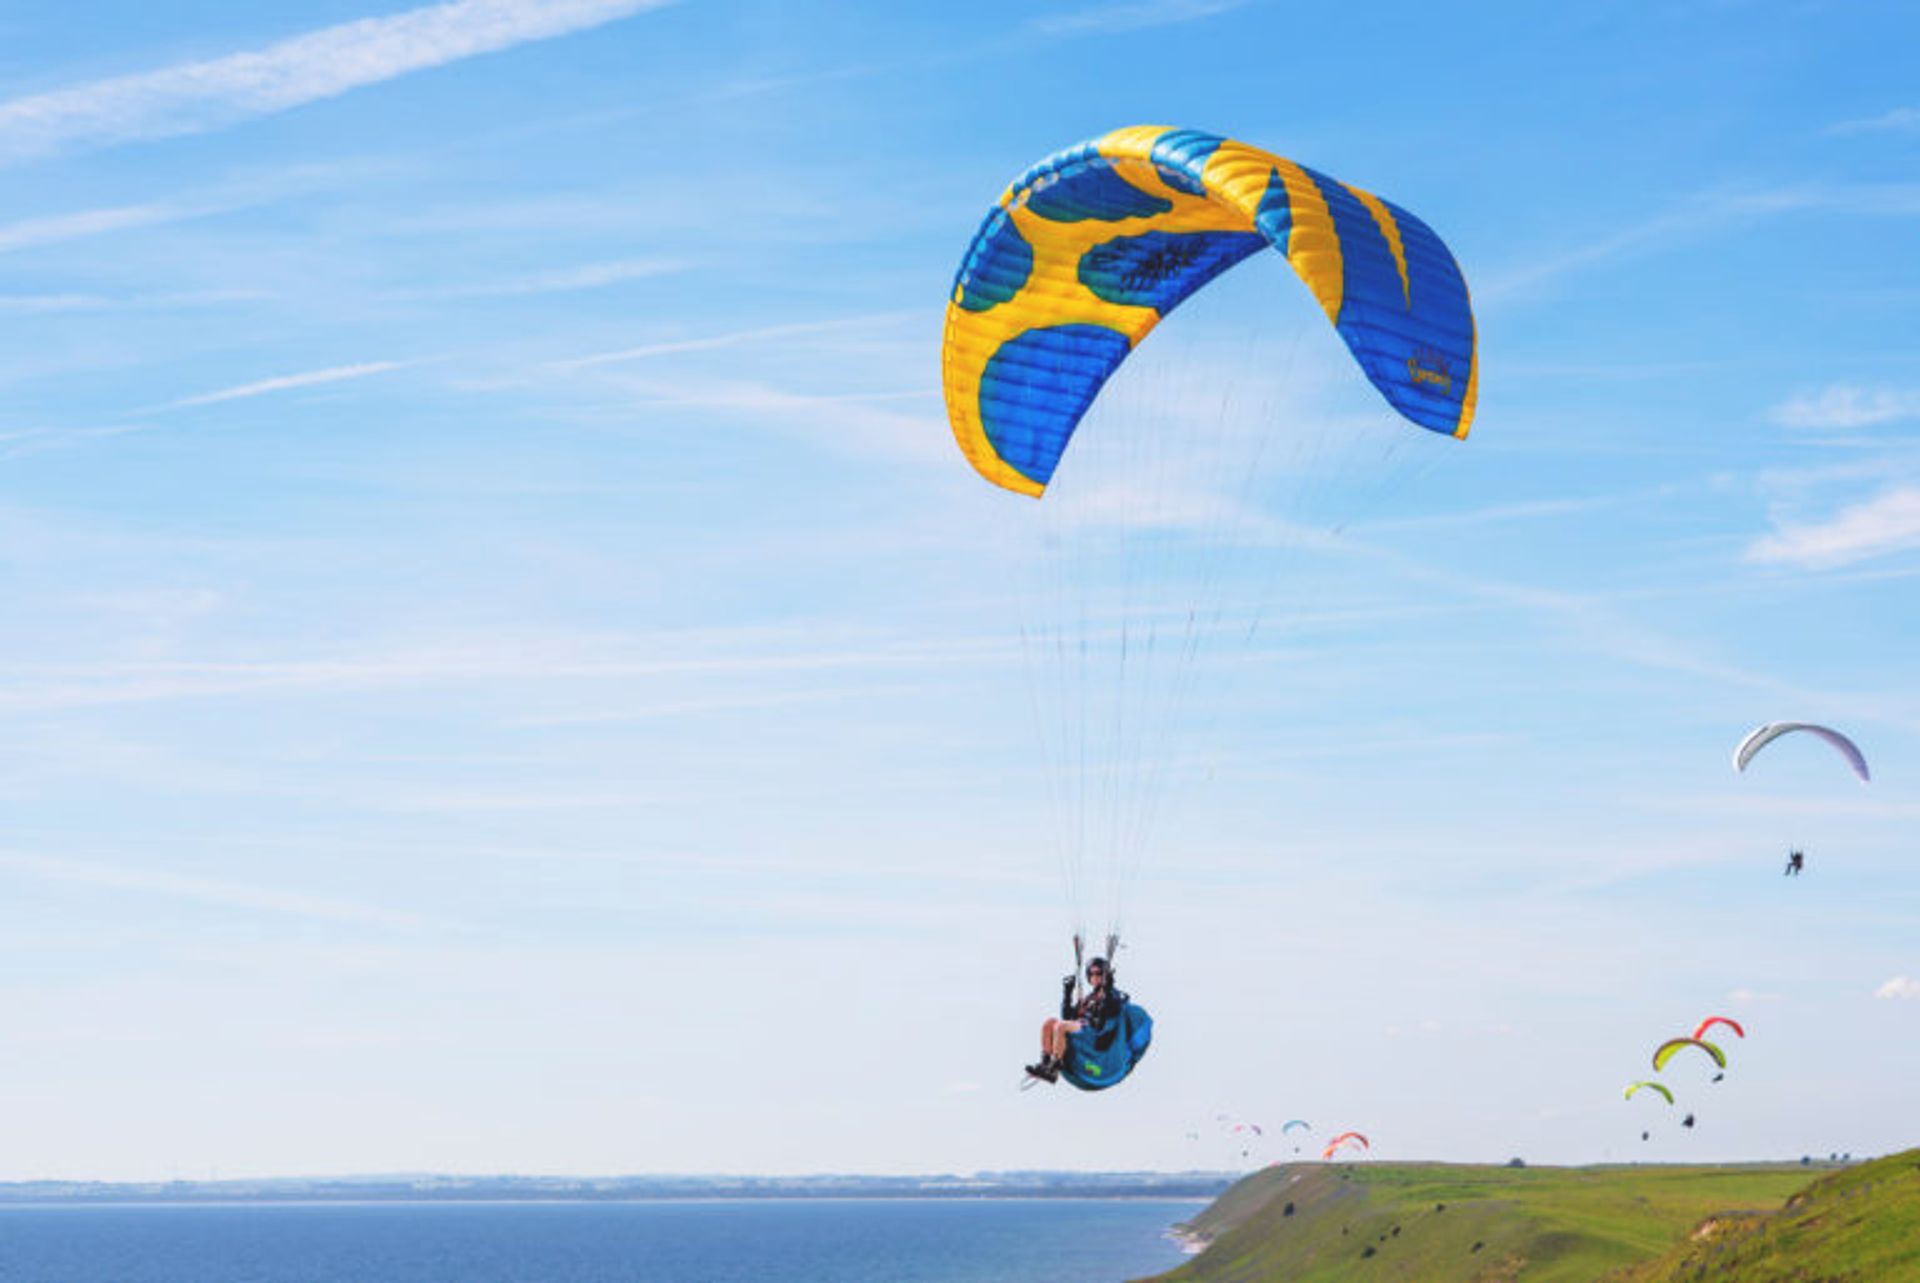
(722, 1241)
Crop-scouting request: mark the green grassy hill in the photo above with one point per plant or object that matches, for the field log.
(1438, 1223)
(1861, 1225)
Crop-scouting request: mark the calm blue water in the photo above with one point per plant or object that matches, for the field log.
(1066, 1241)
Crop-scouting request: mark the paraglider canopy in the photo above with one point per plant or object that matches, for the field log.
(1673, 1046)
(1711, 1021)
(1342, 1139)
(1772, 731)
(1651, 1086)
(1086, 252)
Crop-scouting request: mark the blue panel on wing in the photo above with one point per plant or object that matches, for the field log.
(1390, 328)
(1442, 362)
(1093, 191)
(1036, 387)
(996, 267)
(1046, 169)
(1274, 218)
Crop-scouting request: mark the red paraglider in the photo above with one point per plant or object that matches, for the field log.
(1711, 1021)
(1342, 1139)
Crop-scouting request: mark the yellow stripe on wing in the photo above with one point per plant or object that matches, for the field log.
(1389, 228)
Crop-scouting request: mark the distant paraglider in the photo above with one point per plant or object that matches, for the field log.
(1700, 1031)
(1663, 1055)
(1772, 731)
(1672, 1047)
(1344, 1138)
(1761, 737)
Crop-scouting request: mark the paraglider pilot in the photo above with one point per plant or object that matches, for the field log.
(1098, 1009)
(1796, 861)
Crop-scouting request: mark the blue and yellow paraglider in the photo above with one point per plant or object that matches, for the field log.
(1074, 265)
(1088, 250)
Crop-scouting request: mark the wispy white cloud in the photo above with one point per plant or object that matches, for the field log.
(1521, 510)
(1676, 225)
(288, 382)
(240, 192)
(35, 304)
(857, 423)
(1900, 987)
(735, 338)
(1898, 120)
(48, 229)
(30, 441)
(1846, 405)
(209, 892)
(199, 96)
(1879, 466)
(1186, 503)
(1858, 807)
(1130, 15)
(602, 716)
(680, 657)
(1591, 622)
(589, 276)
(1887, 523)
(1693, 218)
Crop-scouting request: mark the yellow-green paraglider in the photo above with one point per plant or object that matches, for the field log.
(1672, 1047)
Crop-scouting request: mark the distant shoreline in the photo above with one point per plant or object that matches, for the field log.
(1197, 1187)
(1174, 1232)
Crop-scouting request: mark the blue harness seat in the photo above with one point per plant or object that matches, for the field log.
(1098, 1058)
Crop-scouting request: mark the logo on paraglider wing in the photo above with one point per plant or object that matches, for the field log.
(1160, 265)
(1427, 369)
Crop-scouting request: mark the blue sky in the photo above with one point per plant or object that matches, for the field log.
(504, 668)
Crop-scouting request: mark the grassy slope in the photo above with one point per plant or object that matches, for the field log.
(1498, 1224)
(1861, 1225)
